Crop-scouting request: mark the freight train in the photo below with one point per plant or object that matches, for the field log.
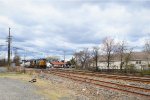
(36, 63)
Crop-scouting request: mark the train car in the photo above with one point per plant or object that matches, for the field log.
(32, 63)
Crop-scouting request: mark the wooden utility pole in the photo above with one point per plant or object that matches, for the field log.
(9, 44)
(64, 57)
(24, 61)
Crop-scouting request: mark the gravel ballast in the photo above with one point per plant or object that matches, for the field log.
(91, 92)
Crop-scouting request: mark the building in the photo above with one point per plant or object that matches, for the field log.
(139, 59)
(57, 64)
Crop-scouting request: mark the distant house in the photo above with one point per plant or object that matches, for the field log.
(57, 64)
(139, 59)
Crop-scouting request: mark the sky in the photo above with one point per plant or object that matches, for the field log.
(49, 27)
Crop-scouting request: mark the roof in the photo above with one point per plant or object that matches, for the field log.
(139, 56)
(134, 56)
(57, 63)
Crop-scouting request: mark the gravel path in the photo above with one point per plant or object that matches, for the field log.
(11, 89)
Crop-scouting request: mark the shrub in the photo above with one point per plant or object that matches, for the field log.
(146, 72)
(130, 68)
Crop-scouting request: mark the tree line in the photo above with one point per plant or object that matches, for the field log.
(88, 58)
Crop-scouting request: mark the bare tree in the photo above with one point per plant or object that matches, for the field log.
(82, 58)
(120, 52)
(128, 56)
(76, 56)
(147, 50)
(95, 55)
(17, 60)
(108, 49)
(73, 61)
(53, 58)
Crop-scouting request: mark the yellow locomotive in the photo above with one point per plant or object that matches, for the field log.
(40, 63)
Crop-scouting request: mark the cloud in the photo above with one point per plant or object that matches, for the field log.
(46, 26)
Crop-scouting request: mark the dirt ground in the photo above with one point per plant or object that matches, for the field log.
(46, 89)
(52, 87)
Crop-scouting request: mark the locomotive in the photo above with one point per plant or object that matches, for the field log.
(42, 64)
(38, 63)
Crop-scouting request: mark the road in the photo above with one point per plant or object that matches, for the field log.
(11, 89)
(3, 69)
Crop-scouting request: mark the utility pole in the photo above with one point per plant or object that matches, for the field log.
(24, 61)
(64, 57)
(9, 44)
(24, 56)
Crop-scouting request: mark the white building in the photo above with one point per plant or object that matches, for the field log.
(139, 59)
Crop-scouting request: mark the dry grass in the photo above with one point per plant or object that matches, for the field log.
(46, 88)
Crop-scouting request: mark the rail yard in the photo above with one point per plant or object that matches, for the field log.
(128, 85)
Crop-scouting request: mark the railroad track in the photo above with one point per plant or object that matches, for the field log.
(84, 77)
(98, 75)
(126, 78)
(109, 85)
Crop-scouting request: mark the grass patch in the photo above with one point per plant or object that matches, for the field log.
(10, 74)
(50, 90)
(146, 72)
(46, 88)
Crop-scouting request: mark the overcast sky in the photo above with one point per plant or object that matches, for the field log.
(52, 26)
